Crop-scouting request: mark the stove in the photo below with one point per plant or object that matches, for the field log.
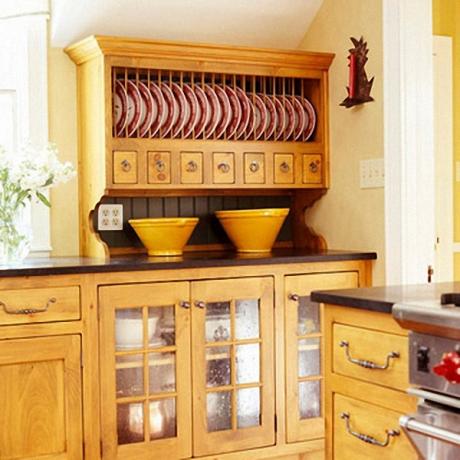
(434, 373)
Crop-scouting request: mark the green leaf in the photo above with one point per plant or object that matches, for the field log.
(43, 199)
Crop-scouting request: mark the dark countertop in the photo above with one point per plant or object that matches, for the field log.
(383, 298)
(72, 265)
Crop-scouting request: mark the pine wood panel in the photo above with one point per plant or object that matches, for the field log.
(40, 397)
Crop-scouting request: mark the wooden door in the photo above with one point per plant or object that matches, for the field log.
(233, 369)
(40, 398)
(145, 371)
(304, 357)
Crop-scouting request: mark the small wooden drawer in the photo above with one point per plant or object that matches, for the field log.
(358, 417)
(254, 168)
(372, 356)
(191, 167)
(124, 167)
(159, 167)
(40, 305)
(223, 168)
(283, 168)
(312, 169)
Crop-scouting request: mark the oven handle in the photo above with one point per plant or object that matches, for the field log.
(411, 424)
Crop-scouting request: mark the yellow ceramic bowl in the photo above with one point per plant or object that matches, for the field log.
(164, 236)
(253, 230)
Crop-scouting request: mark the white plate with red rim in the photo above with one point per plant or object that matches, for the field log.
(203, 111)
(246, 111)
(171, 110)
(289, 114)
(281, 117)
(192, 102)
(300, 117)
(135, 108)
(311, 115)
(120, 108)
(272, 116)
(261, 117)
(226, 107)
(183, 109)
(158, 108)
(236, 111)
(252, 119)
(148, 109)
(215, 110)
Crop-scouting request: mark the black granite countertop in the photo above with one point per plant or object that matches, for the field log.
(72, 265)
(383, 298)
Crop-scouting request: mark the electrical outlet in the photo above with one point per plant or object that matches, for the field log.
(372, 173)
(110, 217)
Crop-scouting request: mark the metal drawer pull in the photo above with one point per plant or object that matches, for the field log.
(126, 166)
(192, 166)
(223, 168)
(313, 167)
(284, 167)
(294, 297)
(200, 304)
(411, 424)
(368, 364)
(184, 304)
(254, 166)
(366, 438)
(160, 165)
(28, 311)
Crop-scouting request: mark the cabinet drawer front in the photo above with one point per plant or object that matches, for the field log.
(312, 169)
(370, 349)
(254, 168)
(159, 167)
(284, 168)
(191, 168)
(124, 167)
(39, 305)
(369, 420)
(223, 168)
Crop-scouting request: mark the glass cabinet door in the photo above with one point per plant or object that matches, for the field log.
(145, 361)
(304, 352)
(232, 355)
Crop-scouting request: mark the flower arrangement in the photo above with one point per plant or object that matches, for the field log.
(24, 176)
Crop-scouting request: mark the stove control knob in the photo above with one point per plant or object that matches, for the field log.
(449, 367)
(423, 359)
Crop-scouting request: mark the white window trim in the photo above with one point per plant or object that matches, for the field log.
(409, 151)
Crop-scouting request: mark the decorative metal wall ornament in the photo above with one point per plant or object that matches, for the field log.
(359, 87)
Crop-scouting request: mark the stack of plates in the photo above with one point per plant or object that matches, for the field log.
(169, 110)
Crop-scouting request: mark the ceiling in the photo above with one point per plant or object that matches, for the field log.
(259, 23)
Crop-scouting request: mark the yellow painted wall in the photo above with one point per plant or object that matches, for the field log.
(350, 217)
(62, 100)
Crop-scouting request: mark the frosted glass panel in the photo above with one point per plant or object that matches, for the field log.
(162, 372)
(310, 399)
(218, 322)
(218, 368)
(248, 407)
(309, 357)
(247, 319)
(129, 375)
(219, 410)
(161, 326)
(162, 419)
(308, 316)
(129, 331)
(248, 363)
(130, 423)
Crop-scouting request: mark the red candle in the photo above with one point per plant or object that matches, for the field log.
(351, 76)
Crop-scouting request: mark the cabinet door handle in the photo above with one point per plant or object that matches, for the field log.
(365, 363)
(192, 166)
(27, 311)
(223, 167)
(254, 166)
(184, 304)
(366, 438)
(294, 297)
(284, 167)
(160, 165)
(200, 304)
(313, 167)
(126, 166)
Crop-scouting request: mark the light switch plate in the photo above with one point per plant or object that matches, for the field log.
(372, 173)
(110, 217)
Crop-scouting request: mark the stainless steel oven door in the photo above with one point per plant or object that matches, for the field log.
(434, 431)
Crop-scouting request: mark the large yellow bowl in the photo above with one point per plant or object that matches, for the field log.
(164, 236)
(253, 230)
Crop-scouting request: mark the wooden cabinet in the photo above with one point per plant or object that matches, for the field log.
(366, 378)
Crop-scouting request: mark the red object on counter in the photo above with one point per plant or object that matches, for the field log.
(449, 367)
(352, 76)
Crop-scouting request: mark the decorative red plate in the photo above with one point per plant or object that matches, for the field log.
(182, 107)
(159, 111)
(226, 111)
(246, 112)
(300, 118)
(281, 117)
(171, 114)
(252, 118)
(147, 106)
(203, 110)
(272, 116)
(236, 111)
(215, 109)
(311, 115)
(120, 105)
(261, 115)
(135, 109)
(192, 103)
(290, 115)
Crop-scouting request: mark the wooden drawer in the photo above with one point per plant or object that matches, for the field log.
(125, 167)
(191, 167)
(369, 420)
(223, 168)
(369, 346)
(312, 169)
(254, 168)
(39, 305)
(159, 167)
(283, 168)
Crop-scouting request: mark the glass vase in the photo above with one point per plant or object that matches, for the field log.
(15, 235)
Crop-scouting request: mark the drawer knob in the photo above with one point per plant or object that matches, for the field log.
(27, 311)
(284, 167)
(184, 304)
(200, 304)
(126, 166)
(313, 167)
(366, 438)
(160, 165)
(364, 362)
(192, 166)
(223, 167)
(254, 166)
(294, 297)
